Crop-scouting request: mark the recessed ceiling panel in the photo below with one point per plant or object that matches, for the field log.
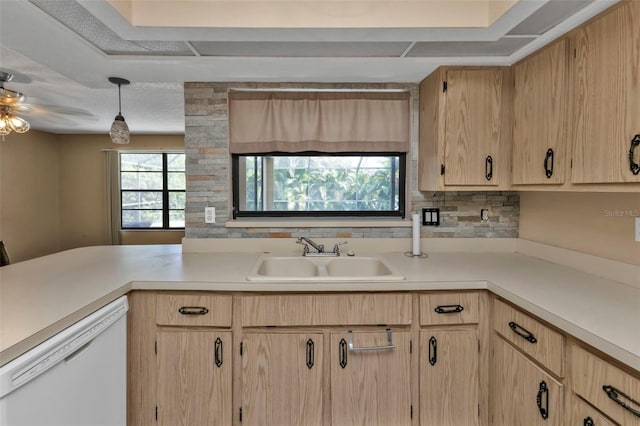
(301, 49)
(548, 16)
(75, 17)
(445, 49)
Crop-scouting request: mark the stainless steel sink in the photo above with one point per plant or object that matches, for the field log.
(273, 268)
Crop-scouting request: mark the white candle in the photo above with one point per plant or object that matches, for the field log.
(415, 217)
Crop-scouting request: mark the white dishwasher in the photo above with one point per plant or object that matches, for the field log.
(76, 378)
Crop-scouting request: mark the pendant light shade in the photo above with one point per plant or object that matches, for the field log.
(119, 132)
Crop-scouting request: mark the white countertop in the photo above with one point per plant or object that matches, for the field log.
(40, 297)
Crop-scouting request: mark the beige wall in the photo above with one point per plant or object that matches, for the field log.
(83, 188)
(29, 194)
(53, 192)
(600, 224)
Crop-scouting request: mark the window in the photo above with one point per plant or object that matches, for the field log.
(152, 190)
(319, 184)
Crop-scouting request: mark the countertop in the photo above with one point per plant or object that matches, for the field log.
(41, 297)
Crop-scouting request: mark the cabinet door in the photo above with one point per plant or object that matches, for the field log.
(473, 124)
(540, 104)
(282, 379)
(607, 96)
(370, 387)
(523, 394)
(583, 414)
(449, 378)
(194, 378)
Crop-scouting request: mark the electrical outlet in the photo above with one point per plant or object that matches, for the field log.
(209, 215)
(431, 217)
(484, 215)
(638, 229)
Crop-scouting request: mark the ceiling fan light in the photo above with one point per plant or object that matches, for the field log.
(18, 124)
(119, 131)
(4, 125)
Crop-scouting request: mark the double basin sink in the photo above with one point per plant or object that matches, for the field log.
(269, 268)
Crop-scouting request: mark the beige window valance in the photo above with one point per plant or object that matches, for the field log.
(266, 121)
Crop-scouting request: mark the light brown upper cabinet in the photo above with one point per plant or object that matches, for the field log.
(540, 107)
(465, 129)
(606, 113)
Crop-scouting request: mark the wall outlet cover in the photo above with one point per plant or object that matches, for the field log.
(638, 229)
(209, 215)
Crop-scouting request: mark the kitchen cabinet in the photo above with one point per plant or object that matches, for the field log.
(606, 93)
(449, 387)
(523, 394)
(370, 379)
(608, 388)
(282, 378)
(194, 378)
(540, 112)
(583, 414)
(465, 129)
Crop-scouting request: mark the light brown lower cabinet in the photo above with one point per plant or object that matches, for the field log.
(282, 379)
(523, 394)
(194, 378)
(449, 381)
(583, 414)
(370, 381)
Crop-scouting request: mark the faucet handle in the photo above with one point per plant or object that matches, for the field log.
(336, 247)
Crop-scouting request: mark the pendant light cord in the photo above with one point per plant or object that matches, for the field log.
(119, 101)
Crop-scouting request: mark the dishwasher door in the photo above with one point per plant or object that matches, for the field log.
(76, 378)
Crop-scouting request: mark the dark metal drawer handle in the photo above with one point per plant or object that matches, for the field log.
(193, 310)
(448, 309)
(613, 393)
(433, 350)
(543, 390)
(218, 352)
(548, 168)
(588, 421)
(633, 166)
(525, 334)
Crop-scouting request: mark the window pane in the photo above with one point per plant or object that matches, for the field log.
(141, 200)
(176, 200)
(175, 162)
(142, 218)
(347, 183)
(176, 219)
(176, 180)
(141, 162)
(142, 180)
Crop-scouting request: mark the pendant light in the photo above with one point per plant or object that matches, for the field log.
(119, 130)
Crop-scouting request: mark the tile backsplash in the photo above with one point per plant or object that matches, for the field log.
(209, 177)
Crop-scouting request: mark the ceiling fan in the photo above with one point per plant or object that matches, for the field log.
(13, 106)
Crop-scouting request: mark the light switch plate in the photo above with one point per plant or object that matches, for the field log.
(209, 215)
(638, 229)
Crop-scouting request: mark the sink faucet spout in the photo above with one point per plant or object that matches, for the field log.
(304, 240)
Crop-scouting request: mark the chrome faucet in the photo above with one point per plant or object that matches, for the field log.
(319, 248)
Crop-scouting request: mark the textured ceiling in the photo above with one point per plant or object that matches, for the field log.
(72, 47)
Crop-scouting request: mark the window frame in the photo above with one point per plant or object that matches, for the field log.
(165, 193)
(402, 169)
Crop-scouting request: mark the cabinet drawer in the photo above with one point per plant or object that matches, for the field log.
(583, 414)
(202, 310)
(449, 308)
(536, 339)
(326, 309)
(589, 374)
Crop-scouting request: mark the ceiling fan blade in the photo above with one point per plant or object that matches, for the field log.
(57, 109)
(17, 77)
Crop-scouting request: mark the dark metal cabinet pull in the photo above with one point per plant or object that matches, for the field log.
(449, 309)
(614, 394)
(342, 353)
(218, 352)
(310, 354)
(193, 310)
(633, 166)
(433, 350)
(525, 334)
(543, 406)
(588, 421)
(548, 163)
(488, 167)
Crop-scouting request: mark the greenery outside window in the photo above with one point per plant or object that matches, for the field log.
(319, 184)
(152, 190)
